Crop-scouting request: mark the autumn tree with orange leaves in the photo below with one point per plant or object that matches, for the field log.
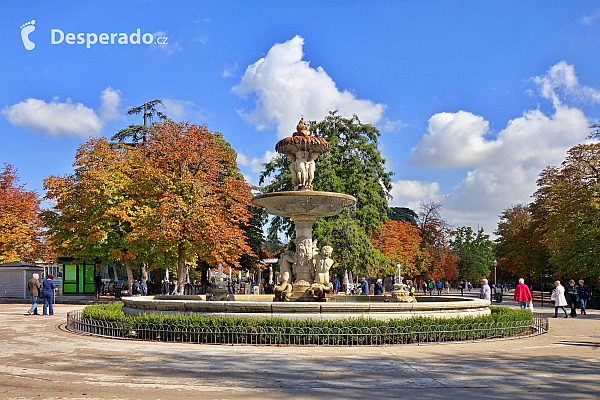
(195, 198)
(20, 226)
(401, 242)
(95, 208)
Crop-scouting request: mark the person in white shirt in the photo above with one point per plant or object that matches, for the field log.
(486, 292)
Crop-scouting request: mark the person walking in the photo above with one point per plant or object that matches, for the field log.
(48, 289)
(34, 286)
(430, 286)
(462, 288)
(572, 297)
(485, 292)
(424, 287)
(165, 287)
(144, 287)
(98, 284)
(364, 287)
(439, 288)
(522, 294)
(558, 297)
(336, 284)
(447, 287)
(584, 295)
(378, 290)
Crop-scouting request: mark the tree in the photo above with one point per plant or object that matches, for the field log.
(436, 256)
(95, 208)
(400, 242)
(476, 251)
(567, 204)
(195, 197)
(518, 245)
(354, 166)
(403, 214)
(140, 133)
(20, 225)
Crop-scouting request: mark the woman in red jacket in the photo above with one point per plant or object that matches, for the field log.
(522, 293)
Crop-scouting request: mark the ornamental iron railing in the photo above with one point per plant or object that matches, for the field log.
(308, 336)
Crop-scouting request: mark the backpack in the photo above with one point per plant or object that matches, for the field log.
(430, 285)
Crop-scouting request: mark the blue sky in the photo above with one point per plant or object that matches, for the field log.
(473, 98)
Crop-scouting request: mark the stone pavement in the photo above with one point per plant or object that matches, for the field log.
(40, 360)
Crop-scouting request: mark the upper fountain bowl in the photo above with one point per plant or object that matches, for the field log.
(309, 203)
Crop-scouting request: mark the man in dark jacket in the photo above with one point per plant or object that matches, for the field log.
(584, 295)
(34, 287)
(165, 287)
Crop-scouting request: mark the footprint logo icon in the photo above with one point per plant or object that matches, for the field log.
(26, 29)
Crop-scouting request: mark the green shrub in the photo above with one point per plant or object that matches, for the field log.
(502, 322)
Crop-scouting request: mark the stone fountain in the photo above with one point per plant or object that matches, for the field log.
(304, 275)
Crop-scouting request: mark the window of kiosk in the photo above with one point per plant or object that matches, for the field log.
(70, 279)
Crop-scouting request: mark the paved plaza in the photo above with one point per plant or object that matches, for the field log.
(41, 360)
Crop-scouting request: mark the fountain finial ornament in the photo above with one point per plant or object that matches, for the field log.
(302, 150)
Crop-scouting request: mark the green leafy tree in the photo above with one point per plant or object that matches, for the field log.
(567, 208)
(404, 214)
(518, 246)
(476, 250)
(354, 166)
(139, 133)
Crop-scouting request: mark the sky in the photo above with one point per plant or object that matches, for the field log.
(473, 99)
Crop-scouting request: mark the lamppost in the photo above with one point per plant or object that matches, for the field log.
(495, 263)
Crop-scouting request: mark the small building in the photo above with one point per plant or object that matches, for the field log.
(14, 277)
(77, 278)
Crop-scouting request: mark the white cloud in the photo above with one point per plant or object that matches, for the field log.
(255, 164)
(64, 119)
(591, 18)
(560, 82)
(405, 191)
(228, 71)
(387, 125)
(287, 87)
(184, 109)
(453, 140)
(503, 170)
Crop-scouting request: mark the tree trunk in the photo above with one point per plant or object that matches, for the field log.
(129, 274)
(116, 276)
(181, 267)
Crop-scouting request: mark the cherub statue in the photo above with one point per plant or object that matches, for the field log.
(287, 263)
(300, 168)
(283, 291)
(323, 264)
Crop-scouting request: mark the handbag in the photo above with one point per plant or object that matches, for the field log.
(531, 305)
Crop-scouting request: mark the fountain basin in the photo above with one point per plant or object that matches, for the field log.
(308, 203)
(341, 307)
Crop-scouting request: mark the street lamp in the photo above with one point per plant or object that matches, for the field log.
(495, 263)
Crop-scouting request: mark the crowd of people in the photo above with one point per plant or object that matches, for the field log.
(572, 296)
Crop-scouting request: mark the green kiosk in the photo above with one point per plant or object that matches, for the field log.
(78, 279)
